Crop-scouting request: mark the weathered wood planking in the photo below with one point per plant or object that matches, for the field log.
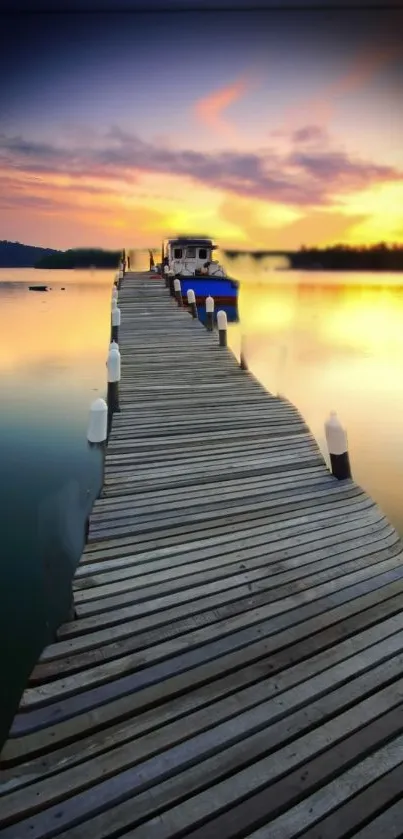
(235, 664)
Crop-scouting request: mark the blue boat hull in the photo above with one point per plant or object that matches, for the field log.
(222, 289)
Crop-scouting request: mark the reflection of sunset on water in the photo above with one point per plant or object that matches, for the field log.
(336, 343)
(56, 328)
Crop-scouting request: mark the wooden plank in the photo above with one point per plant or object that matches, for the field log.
(364, 721)
(258, 712)
(335, 643)
(114, 647)
(185, 536)
(67, 697)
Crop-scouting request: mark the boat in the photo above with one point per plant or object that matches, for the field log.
(191, 260)
(38, 288)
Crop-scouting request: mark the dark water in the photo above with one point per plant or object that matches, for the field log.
(325, 341)
(52, 366)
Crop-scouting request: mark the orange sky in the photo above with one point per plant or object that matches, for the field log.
(272, 147)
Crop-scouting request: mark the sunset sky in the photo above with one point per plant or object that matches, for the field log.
(261, 129)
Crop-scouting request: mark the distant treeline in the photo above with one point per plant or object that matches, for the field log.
(16, 255)
(80, 258)
(381, 257)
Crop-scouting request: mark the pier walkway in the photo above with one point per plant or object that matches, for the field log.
(235, 668)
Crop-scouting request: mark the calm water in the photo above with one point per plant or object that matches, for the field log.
(333, 341)
(324, 340)
(52, 365)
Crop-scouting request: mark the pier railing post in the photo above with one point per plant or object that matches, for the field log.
(222, 328)
(209, 313)
(192, 302)
(178, 291)
(337, 445)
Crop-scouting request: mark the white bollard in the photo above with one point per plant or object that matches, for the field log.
(222, 327)
(178, 292)
(336, 439)
(98, 422)
(113, 365)
(115, 293)
(192, 302)
(113, 345)
(114, 303)
(209, 313)
(115, 319)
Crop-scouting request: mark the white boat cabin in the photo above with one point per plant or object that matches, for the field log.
(189, 256)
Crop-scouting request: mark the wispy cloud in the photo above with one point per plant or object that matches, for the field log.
(310, 173)
(211, 109)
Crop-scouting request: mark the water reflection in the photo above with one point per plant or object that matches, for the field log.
(333, 341)
(52, 366)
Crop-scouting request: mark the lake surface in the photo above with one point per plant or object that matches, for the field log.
(333, 341)
(52, 366)
(326, 341)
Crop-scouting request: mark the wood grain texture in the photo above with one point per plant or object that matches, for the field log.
(235, 664)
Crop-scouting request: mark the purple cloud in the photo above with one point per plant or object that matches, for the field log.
(306, 176)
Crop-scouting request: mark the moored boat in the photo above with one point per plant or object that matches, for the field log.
(191, 259)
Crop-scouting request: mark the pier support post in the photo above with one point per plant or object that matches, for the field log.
(178, 291)
(242, 361)
(222, 328)
(97, 435)
(209, 313)
(192, 302)
(336, 439)
(115, 318)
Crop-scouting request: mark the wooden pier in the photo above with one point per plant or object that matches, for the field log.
(235, 668)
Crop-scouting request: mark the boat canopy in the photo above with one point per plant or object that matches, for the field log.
(189, 241)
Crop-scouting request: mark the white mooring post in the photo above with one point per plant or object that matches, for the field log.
(192, 302)
(337, 445)
(178, 291)
(115, 318)
(115, 293)
(113, 345)
(98, 422)
(222, 327)
(209, 313)
(113, 366)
